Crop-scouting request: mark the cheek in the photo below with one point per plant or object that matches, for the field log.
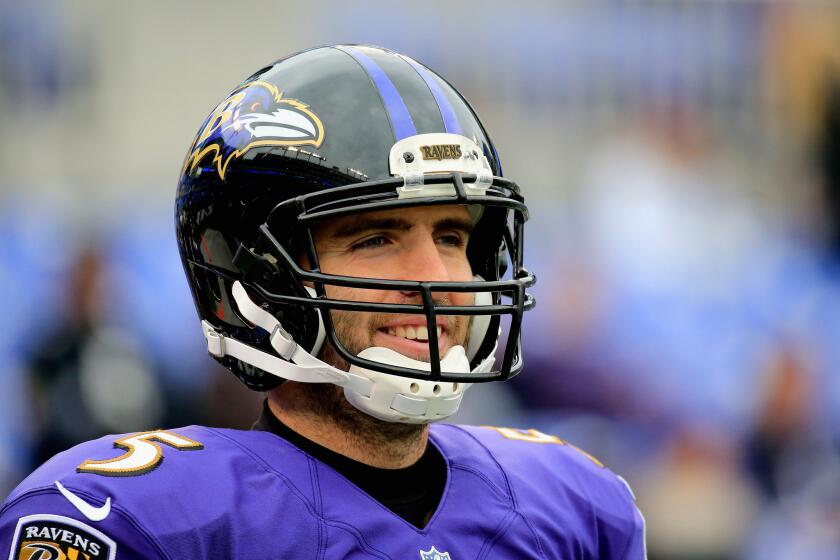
(461, 298)
(459, 268)
(358, 294)
(352, 329)
(461, 271)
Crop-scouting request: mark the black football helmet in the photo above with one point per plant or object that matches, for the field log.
(325, 133)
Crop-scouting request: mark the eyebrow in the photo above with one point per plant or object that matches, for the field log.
(358, 226)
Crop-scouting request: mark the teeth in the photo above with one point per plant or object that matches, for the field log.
(413, 333)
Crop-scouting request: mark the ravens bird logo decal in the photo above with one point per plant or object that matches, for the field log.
(255, 114)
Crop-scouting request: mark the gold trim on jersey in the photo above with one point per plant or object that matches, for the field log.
(536, 436)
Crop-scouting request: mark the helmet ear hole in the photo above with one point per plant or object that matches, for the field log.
(303, 322)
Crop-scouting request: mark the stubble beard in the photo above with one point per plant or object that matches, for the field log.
(328, 400)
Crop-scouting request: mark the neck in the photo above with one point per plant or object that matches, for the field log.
(320, 413)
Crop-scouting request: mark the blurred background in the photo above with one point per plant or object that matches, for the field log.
(682, 163)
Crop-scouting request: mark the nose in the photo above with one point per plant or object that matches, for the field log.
(423, 262)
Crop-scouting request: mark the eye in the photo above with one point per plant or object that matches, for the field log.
(370, 243)
(451, 239)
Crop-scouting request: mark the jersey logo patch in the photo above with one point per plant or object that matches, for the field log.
(143, 454)
(434, 554)
(55, 537)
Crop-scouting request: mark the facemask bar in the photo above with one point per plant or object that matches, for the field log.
(380, 195)
(521, 302)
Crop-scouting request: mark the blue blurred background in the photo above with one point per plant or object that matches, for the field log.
(682, 163)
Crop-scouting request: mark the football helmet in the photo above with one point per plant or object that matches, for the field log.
(321, 134)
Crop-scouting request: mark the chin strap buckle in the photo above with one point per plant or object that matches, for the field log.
(282, 342)
(215, 341)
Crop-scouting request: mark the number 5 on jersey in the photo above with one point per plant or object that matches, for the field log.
(143, 454)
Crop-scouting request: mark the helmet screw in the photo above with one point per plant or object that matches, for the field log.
(408, 157)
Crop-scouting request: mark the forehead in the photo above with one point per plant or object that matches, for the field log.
(423, 216)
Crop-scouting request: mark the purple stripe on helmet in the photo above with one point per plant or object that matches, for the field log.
(401, 122)
(447, 113)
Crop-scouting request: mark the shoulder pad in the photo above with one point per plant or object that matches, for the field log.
(556, 485)
(176, 488)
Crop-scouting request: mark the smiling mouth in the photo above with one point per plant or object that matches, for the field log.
(411, 332)
(411, 340)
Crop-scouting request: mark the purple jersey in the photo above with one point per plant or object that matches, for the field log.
(198, 492)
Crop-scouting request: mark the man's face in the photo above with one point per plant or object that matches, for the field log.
(421, 243)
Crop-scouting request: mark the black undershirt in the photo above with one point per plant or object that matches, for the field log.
(413, 492)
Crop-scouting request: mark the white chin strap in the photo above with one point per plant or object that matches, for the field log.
(388, 397)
